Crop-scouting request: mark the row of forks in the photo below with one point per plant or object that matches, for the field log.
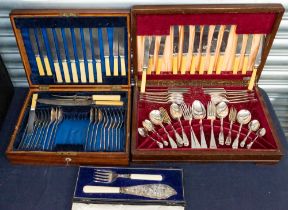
(105, 130)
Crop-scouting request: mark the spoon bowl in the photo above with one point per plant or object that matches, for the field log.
(199, 113)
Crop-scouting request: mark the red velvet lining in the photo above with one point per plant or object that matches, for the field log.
(250, 23)
(266, 142)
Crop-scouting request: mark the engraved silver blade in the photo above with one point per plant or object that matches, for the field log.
(176, 40)
(162, 46)
(115, 41)
(31, 120)
(66, 102)
(69, 43)
(205, 40)
(79, 44)
(146, 52)
(121, 42)
(186, 40)
(214, 39)
(225, 39)
(249, 44)
(33, 41)
(60, 44)
(51, 44)
(259, 54)
(196, 39)
(152, 46)
(239, 44)
(87, 44)
(105, 42)
(41, 42)
(96, 43)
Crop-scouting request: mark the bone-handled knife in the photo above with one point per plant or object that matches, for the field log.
(44, 52)
(204, 42)
(88, 49)
(79, 43)
(151, 64)
(222, 51)
(208, 48)
(160, 55)
(54, 55)
(232, 56)
(247, 53)
(237, 53)
(115, 50)
(145, 63)
(175, 49)
(121, 43)
(71, 50)
(229, 49)
(106, 51)
(78, 102)
(213, 48)
(97, 54)
(180, 47)
(63, 55)
(184, 34)
(217, 53)
(242, 53)
(156, 53)
(32, 115)
(189, 57)
(196, 49)
(36, 51)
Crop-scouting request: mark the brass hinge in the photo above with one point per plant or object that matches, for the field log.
(116, 87)
(62, 153)
(44, 87)
(69, 14)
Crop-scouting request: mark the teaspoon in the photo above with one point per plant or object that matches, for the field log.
(199, 112)
(261, 132)
(149, 127)
(143, 132)
(253, 126)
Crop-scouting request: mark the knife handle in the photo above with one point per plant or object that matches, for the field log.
(183, 64)
(143, 82)
(106, 97)
(82, 72)
(107, 66)
(47, 65)
(40, 66)
(150, 177)
(58, 72)
(242, 53)
(91, 73)
(34, 101)
(175, 64)
(159, 65)
(115, 66)
(66, 72)
(100, 189)
(109, 103)
(252, 79)
(99, 72)
(254, 51)
(193, 64)
(123, 66)
(74, 72)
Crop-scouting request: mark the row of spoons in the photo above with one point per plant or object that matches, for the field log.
(197, 111)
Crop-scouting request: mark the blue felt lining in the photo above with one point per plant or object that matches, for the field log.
(70, 133)
(50, 23)
(172, 177)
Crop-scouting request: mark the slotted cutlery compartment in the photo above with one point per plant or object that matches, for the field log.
(196, 82)
(77, 64)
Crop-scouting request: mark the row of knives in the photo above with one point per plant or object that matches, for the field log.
(79, 55)
(200, 49)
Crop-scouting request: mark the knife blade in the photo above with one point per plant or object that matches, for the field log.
(54, 55)
(115, 50)
(80, 55)
(78, 102)
(71, 50)
(180, 47)
(106, 51)
(43, 51)
(121, 38)
(240, 66)
(88, 55)
(151, 65)
(232, 55)
(238, 53)
(32, 114)
(195, 49)
(225, 48)
(160, 54)
(200, 46)
(189, 59)
(36, 50)
(213, 48)
(185, 49)
(218, 50)
(97, 54)
(175, 49)
(145, 62)
(204, 36)
(63, 55)
(208, 49)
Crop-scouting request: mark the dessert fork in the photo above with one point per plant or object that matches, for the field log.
(109, 176)
(232, 119)
(211, 115)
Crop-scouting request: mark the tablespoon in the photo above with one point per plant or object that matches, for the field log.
(157, 119)
(143, 132)
(167, 120)
(253, 126)
(221, 112)
(147, 124)
(199, 113)
(243, 117)
(261, 132)
(176, 114)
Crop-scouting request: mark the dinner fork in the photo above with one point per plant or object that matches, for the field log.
(211, 115)
(109, 176)
(187, 114)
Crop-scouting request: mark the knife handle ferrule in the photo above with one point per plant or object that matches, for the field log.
(115, 66)
(123, 66)
(107, 66)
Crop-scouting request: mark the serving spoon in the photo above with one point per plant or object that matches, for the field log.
(199, 113)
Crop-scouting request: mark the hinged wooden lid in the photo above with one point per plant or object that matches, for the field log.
(257, 23)
(74, 48)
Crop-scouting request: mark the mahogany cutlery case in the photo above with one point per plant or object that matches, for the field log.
(210, 51)
(71, 58)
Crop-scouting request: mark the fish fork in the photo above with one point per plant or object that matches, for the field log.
(187, 114)
(211, 115)
(109, 176)
(232, 119)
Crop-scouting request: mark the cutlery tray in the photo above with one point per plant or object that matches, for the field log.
(170, 177)
(70, 56)
(196, 57)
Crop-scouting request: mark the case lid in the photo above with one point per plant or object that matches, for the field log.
(203, 42)
(74, 48)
